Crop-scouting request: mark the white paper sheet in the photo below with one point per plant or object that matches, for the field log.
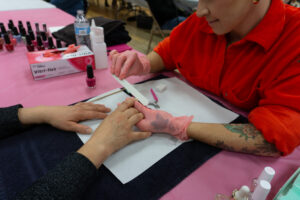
(178, 99)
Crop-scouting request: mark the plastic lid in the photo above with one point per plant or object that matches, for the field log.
(267, 174)
(262, 190)
(79, 12)
(243, 193)
(6, 38)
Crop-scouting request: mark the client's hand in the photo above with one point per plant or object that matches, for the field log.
(64, 117)
(128, 63)
(114, 133)
(163, 122)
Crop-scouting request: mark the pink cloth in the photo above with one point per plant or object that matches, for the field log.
(221, 174)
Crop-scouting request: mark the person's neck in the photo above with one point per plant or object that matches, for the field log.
(255, 15)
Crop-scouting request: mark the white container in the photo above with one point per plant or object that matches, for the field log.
(98, 46)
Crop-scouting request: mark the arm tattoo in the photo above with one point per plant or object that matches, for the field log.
(244, 130)
(248, 131)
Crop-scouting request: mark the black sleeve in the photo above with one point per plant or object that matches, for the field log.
(67, 181)
(9, 121)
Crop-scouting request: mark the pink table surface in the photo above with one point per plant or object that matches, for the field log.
(221, 174)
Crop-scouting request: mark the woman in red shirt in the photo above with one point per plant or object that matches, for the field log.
(245, 51)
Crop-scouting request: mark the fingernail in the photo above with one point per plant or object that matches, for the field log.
(88, 130)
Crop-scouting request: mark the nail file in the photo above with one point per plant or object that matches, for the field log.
(131, 89)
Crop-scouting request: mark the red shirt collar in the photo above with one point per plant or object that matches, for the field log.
(267, 31)
(270, 27)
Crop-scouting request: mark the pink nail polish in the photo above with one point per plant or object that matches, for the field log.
(90, 79)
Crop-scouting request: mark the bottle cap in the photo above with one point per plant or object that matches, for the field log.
(79, 12)
(15, 31)
(50, 43)
(6, 38)
(3, 29)
(243, 193)
(39, 40)
(262, 190)
(90, 72)
(11, 22)
(23, 31)
(44, 36)
(31, 34)
(267, 174)
(58, 43)
(28, 40)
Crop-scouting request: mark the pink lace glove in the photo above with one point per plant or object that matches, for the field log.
(128, 63)
(161, 121)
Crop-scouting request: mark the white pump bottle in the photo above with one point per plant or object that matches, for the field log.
(98, 46)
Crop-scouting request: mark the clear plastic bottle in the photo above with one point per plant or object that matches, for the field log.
(98, 46)
(82, 29)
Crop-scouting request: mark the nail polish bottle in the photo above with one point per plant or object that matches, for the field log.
(90, 79)
(29, 45)
(1, 43)
(17, 35)
(32, 37)
(29, 28)
(37, 29)
(45, 29)
(40, 45)
(11, 37)
(50, 43)
(44, 38)
(58, 43)
(3, 29)
(10, 24)
(8, 45)
(23, 34)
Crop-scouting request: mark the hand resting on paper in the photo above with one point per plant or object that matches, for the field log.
(115, 132)
(64, 117)
(161, 121)
(128, 63)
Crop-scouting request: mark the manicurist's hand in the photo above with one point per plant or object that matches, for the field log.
(64, 117)
(163, 122)
(115, 132)
(128, 63)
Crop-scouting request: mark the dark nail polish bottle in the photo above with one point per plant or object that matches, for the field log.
(58, 43)
(44, 38)
(32, 37)
(45, 29)
(37, 29)
(16, 34)
(3, 29)
(8, 45)
(29, 45)
(40, 45)
(50, 43)
(11, 24)
(23, 34)
(29, 28)
(90, 79)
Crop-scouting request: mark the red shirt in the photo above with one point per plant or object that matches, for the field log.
(260, 73)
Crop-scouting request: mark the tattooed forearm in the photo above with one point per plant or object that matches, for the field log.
(244, 130)
(253, 143)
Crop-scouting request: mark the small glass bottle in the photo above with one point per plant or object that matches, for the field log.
(90, 79)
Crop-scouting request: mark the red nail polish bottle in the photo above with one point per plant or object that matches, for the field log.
(8, 45)
(90, 79)
(29, 45)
